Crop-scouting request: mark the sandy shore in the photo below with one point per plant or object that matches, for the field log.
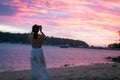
(92, 72)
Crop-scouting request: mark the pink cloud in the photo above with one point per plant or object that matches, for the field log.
(86, 20)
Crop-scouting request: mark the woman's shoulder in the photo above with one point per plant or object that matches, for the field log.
(40, 36)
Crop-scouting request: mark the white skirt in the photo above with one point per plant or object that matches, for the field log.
(38, 66)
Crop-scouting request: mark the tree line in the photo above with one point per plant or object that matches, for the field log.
(23, 38)
(117, 44)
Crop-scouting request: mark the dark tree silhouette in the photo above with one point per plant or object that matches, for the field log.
(119, 32)
(119, 35)
(115, 45)
(22, 38)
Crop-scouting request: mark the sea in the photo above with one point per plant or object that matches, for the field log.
(16, 57)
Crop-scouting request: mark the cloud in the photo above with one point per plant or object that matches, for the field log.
(94, 21)
(12, 29)
(6, 10)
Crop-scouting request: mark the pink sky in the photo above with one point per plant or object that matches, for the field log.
(94, 21)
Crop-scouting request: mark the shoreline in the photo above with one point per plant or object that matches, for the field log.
(59, 46)
(90, 72)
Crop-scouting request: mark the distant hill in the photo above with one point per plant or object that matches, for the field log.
(114, 46)
(23, 38)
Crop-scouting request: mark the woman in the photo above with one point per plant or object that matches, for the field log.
(38, 66)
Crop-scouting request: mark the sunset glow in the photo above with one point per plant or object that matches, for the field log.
(94, 21)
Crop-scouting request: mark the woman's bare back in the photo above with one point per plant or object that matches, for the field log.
(36, 42)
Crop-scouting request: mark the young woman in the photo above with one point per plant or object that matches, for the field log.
(38, 65)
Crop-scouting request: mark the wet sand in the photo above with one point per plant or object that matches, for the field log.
(91, 72)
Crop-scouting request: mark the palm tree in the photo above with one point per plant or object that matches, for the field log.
(119, 32)
(119, 35)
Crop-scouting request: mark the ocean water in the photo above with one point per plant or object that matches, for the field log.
(15, 57)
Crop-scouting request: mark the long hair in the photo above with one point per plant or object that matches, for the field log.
(35, 30)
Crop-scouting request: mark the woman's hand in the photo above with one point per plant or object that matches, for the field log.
(40, 27)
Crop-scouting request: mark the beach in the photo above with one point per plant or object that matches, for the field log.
(90, 72)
